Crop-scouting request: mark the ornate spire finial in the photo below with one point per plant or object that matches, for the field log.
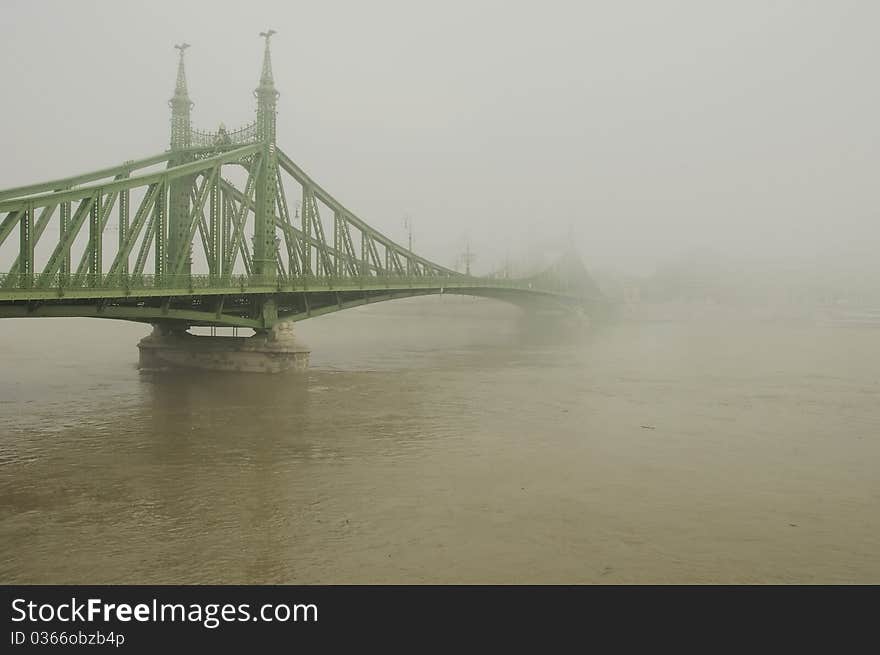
(180, 87)
(266, 95)
(266, 76)
(180, 105)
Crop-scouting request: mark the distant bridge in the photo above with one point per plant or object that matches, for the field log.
(174, 241)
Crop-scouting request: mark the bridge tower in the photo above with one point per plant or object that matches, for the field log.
(180, 188)
(265, 248)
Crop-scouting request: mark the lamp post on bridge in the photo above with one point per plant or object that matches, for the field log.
(407, 224)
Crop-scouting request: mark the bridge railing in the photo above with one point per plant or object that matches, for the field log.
(222, 137)
(195, 283)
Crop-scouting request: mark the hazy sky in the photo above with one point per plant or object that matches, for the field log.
(647, 128)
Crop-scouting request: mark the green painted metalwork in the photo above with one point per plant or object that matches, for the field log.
(247, 277)
(26, 246)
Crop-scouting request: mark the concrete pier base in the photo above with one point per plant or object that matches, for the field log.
(267, 351)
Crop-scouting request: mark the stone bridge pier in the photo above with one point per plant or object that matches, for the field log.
(272, 350)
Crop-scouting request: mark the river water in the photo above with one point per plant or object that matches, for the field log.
(457, 442)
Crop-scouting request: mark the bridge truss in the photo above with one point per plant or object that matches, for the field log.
(223, 228)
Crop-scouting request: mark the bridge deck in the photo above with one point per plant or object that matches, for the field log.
(241, 301)
(146, 286)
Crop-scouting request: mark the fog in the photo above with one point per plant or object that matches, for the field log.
(642, 131)
(712, 162)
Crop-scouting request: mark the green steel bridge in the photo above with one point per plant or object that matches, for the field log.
(203, 235)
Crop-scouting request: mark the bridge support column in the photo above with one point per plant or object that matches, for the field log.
(273, 350)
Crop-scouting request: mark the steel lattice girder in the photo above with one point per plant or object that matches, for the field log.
(191, 196)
